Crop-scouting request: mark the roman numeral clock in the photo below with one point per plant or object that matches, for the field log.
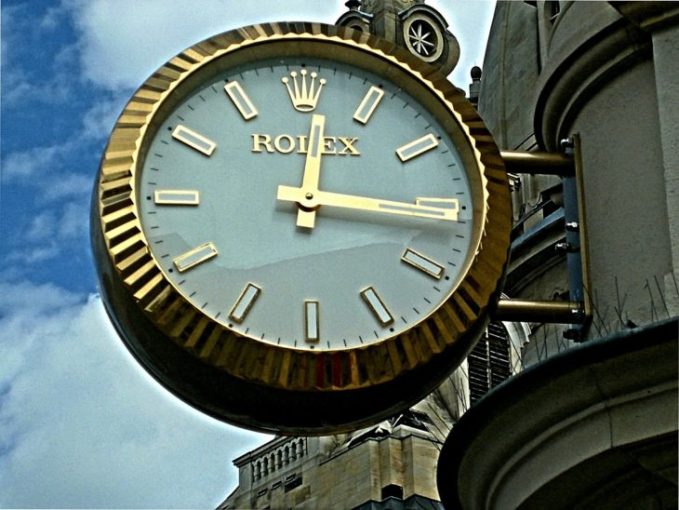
(299, 228)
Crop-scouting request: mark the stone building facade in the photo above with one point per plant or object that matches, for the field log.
(390, 465)
(606, 71)
(591, 419)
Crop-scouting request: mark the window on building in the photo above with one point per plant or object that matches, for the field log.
(489, 362)
(392, 491)
(292, 482)
(552, 9)
(413, 419)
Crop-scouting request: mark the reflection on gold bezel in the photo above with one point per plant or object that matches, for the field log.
(200, 336)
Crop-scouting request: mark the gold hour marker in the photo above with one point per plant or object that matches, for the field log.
(424, 264)
(417, 147)
(244, 302)
(195, 256)
(311, 326)
(368, 105)
(376, 306)
(240, 100)
(176, 197)
(194, 140)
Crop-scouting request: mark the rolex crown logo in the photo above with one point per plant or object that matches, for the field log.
(304, 95)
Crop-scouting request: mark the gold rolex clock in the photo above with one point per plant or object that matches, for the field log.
(299, 228)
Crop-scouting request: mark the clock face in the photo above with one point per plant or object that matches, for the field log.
(307, 203)
(300, 228)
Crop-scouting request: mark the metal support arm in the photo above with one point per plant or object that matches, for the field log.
(559, 312)
(533, 163)
(569, 167)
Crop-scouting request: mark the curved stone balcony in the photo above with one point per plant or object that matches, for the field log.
(593, 427)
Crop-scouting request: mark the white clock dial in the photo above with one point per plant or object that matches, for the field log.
(307, 203)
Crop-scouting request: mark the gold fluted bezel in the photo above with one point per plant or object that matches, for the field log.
(452, 327)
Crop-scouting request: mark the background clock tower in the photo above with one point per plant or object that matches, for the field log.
(412, 24)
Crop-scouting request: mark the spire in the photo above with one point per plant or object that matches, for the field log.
(475, 85)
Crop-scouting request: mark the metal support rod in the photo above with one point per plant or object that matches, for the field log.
(582, 221)
(557, 312)
(545, 163)
(569, 167)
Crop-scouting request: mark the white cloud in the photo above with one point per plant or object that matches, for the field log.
(27, 256)
(124, 41)
(469, 21)
(43, 166)
(52, 84)
(19, 88)
(42, 227)
(49, 231)
(26, 164)
(54, 214)
(98, 121)
(18, 298)
(68, 185)
(47, 236)
(53, 16)
(82, 426)
(65, 224)
(74, 221)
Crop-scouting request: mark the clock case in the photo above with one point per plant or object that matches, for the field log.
(243, 380)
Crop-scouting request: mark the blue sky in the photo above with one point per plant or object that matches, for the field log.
(80, 424)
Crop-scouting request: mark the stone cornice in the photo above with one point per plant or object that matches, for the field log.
(523, 438)
(584, 63)
(649, 16)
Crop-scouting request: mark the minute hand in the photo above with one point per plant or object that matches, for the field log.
(325, 198)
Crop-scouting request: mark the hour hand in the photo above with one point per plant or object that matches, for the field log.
(446, 208)
(312, 168)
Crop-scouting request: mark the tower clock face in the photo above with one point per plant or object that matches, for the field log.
(297, 231)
